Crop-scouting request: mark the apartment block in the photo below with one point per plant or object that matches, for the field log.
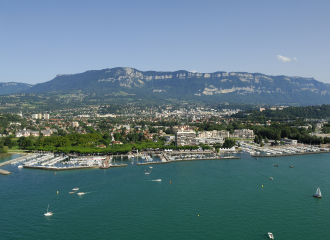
(185, 137)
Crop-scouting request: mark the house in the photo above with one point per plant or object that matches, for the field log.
(46, 133)
(101, 146)
(34, 133)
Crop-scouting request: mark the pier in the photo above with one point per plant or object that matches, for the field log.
(16, 160)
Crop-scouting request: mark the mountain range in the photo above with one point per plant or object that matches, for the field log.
(233, 87)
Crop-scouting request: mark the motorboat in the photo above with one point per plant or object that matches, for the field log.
(318, 193)
(271, 178)
(75, 189)
(20, 166)
(291, 166)
(71, 192)
(147, 173)
(157, 180)
(80, 193)
(270, 235)
(47, 214)
(275, 165)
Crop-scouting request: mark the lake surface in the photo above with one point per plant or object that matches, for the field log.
(206, 199)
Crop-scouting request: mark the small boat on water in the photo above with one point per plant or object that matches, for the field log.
(20, 166)
(275, 165)
(47, 214)
(80, 193)
(147, 173)
(291, 166)
(318, 193)
(271, 178)
(150, 167)
(157, 180)
(75, 189)
(71, 192)
(270, 235)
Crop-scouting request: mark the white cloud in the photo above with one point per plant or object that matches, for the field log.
(285, 59)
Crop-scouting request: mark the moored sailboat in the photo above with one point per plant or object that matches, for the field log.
(318, 193)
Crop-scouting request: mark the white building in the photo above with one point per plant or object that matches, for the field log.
(186, 137)
(46, 116)
(75, 124)
(244, 133)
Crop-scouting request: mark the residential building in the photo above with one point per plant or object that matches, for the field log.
(75, 124)
(185, 137)
(244, 133)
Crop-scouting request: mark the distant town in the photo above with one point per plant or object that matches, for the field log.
(95, 129)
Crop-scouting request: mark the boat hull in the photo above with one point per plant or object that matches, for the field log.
(317, 196)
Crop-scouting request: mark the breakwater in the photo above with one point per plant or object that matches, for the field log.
(4, 172)
(49, 168)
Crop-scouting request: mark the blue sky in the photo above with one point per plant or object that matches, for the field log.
(40, 39)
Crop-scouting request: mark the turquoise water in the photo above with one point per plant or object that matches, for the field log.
(122, 203)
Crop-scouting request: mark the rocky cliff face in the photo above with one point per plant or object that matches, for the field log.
(185, 83)
(13, 87)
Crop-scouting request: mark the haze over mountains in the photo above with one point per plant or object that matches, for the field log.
(238, 87)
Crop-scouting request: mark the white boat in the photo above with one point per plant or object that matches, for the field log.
(75, 189)
(47, 214)
(80, 193)
(270, 235)
(318, 193)
(150, 167)
(147, 173)
(157, 180)
(20, 166)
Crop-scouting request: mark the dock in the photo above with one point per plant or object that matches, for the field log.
(197, 159)
(148, 163)
(15, 160)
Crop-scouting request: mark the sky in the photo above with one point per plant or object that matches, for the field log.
(40, 39)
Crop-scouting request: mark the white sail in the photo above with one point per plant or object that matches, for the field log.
(318, 192)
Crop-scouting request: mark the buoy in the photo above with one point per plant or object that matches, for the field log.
(57, 192)
(198, 215)
(170, 182)
(262, 185)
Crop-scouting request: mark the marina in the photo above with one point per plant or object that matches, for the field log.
(281, 151)
(61, 162)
